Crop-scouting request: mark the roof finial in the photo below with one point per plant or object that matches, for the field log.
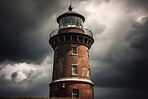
(70, 7)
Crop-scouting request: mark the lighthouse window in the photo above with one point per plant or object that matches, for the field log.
(74, 50)
(75, 93)
(74, 69)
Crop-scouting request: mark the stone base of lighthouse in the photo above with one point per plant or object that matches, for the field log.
(65, 88)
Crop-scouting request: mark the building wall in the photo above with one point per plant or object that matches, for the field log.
(64, 59)
(85, 89)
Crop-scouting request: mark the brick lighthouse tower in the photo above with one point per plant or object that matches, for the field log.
(71, 68)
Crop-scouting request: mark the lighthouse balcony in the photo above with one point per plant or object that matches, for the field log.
(71, 36)
(71, 30)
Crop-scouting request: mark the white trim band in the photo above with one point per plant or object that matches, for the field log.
(74, 79)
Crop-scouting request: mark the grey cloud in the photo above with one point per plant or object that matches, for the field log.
(32, 80)
(13, 75)
(28, 76)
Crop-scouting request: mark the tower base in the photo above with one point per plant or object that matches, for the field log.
(65, 89)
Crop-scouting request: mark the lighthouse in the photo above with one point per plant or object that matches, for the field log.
(71, 67)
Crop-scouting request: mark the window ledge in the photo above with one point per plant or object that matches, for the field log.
(74, 74)
(74, 54)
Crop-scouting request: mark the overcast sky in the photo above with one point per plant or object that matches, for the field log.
(119, 61)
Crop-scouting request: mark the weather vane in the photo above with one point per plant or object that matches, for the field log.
(70, 7)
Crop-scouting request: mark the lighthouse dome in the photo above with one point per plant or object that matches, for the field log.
(70, 19)
(71, 13)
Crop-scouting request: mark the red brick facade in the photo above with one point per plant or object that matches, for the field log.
(64, 60)
(70, 30)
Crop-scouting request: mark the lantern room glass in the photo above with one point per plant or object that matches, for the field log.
(70, 21)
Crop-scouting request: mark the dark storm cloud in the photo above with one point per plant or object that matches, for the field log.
(119, 93)
(120, 70)
(132, 65)
(121, 67)
(139, 38)
(126, 68)
(24, 33)
(22, 38)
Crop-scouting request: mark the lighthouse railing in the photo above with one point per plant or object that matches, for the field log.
(86, 32)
